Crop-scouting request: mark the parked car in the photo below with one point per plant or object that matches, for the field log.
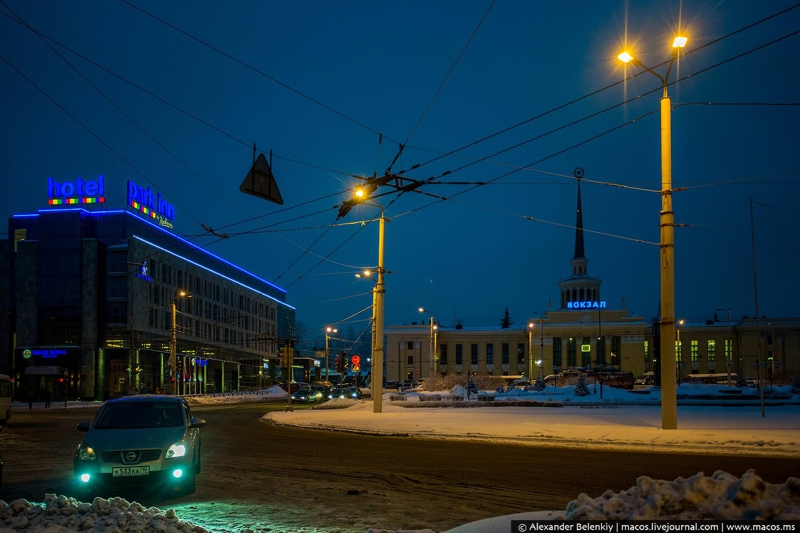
(141, 440)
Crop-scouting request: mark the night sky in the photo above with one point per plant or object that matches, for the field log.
(497, 103)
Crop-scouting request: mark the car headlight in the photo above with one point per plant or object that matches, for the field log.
(86, 453)
(176, 450)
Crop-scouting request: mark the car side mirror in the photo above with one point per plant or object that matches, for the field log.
(198, 422)
(83, 426)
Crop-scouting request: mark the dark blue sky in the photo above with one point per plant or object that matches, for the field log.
(316, 82)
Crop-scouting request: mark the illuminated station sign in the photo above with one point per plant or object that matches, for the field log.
(586, 305)
(79, 191)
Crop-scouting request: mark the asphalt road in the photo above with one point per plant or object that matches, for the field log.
(344, 482)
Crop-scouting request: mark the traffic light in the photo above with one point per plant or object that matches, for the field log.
(284, 354)
(336, 363)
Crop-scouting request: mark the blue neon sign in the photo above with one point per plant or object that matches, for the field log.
(586, 305)
(79, 191)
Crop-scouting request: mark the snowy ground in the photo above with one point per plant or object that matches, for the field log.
(619, 420)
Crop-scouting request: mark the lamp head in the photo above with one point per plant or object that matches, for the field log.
(679, 42)
(625, 57)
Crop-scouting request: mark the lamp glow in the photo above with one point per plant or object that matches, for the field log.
(625, 57)
(679, 42)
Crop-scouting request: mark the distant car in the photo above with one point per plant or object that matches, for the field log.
(353, 393)
(321, 391)
(304, 395)
(141, 440)
(296, 386)
(405, 385)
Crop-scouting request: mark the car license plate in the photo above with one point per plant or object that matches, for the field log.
(129, 471)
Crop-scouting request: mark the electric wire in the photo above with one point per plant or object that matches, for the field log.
(126, 115)
(254, 69)
(92, 133)
(449, 72)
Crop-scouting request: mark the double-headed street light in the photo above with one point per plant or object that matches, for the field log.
(328, 332)
(669, 393)
(432, 350)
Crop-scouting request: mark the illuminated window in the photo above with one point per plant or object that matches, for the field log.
(694, 351)
(678, 351)
(728, 350)
(712, 350)
(557, 351)
(646, 351)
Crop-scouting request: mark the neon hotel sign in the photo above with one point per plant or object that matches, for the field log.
(152, 205)
(83, 191)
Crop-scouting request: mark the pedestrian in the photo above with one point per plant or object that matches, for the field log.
(46, 397)
(30, 399)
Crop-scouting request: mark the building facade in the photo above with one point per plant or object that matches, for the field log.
(584, 332)
(104, 303)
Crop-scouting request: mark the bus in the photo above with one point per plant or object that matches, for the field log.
(6, 392)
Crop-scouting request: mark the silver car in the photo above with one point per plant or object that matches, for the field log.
(141, 440)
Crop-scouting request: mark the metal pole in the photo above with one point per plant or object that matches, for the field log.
(380, 291)
(530, 352)
(430, 353)
(755, 290)
(541, 347)
(326, 356)
(669, 393)
(173, 348)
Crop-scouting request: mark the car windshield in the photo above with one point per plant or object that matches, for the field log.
(136, 415)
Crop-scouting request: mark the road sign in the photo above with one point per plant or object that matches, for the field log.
(260, 182)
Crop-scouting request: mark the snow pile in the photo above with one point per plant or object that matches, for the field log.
(719, 497)
(60, 514)
(271, 393)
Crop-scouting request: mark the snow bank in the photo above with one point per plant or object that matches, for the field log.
(60, 514)
(718, 497)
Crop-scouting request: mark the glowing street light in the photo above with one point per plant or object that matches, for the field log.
(669, 393)
(379, 292)
(328, 332)
(431, 351)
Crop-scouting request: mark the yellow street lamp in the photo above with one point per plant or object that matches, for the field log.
(669, 393)
(328, 332)
(173, 346)
(431, 351)
(379, 292)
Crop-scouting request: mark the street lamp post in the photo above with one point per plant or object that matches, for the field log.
(328, 332)
(678, 354)
(173, 345)
(431, 351)
(728, 363)
(362, 196)
(669, 393)
(531, 325)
